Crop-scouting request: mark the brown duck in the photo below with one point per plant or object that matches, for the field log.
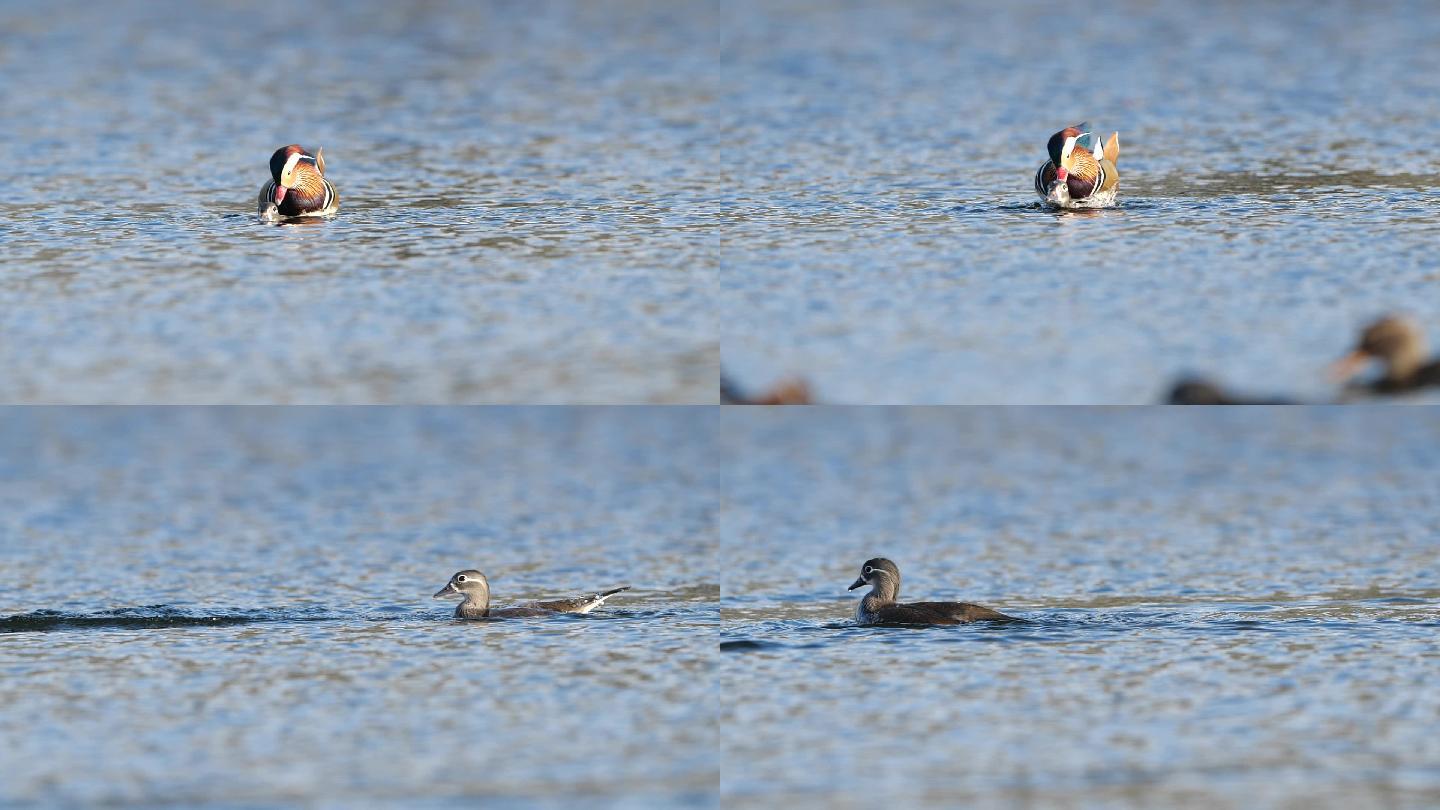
(879, 606)
(475, 590)
(786, 392)
(1397, 344)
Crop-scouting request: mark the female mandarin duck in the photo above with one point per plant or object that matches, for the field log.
(297, 186)
(1079, 174)
(1399, 347)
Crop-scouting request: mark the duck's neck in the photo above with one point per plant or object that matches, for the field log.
(1404, 362)
(1084, 167)
(475, 606)
(308, 194)
(883, 591)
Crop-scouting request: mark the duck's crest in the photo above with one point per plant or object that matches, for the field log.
(1112, 148)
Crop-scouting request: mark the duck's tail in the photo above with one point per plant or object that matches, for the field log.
(603, 595)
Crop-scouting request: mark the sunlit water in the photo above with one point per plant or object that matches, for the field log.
(522, 213)
(233, 608)
(1225, 609)
(1278, 191)
(562, 202)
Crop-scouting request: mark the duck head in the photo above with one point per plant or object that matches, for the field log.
(881, 574)
(1062, 147)
(1393, 340)
(470, 584)
(291, 167)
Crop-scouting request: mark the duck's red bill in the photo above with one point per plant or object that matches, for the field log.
(1348, 366)
(1060, 174)
(279, 194)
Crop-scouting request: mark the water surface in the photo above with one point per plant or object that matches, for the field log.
(232, 608)
(1278, 191)
(521, 210)
(1226, 609)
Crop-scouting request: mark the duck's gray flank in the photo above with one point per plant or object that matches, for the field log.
(474, 589)
(880, 606)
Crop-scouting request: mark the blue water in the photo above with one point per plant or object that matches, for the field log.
(233, 608)
(522, 215)
(1278, 191)
(1225, 609)
(562, 202)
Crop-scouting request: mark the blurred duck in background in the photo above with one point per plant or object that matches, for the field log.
(1398, 346)
(786, 392)
(1393, 342)
(1200, 391)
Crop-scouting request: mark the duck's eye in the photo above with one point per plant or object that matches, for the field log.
(459, 577)
(869, 570)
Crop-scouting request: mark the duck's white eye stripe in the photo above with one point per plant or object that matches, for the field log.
(294, 159)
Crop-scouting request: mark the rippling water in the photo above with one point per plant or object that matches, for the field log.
(1278, 191)
(522, 209)
(1225, 609)
(570, 202)
(232, 608)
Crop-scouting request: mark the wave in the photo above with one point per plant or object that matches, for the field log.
(149, 617)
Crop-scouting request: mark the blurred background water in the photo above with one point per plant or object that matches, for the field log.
(233, 608)
(522, 211)
(1227, 609)
(1278, 191)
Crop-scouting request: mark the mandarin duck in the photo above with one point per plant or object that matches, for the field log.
(786, 392)
(474, 590)
(880, 605)
(1079, 173)
(1200, 391)
(1400, 348)
(297, 185)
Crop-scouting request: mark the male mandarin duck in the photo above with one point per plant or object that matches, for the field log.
(297, 186)
(1079, 173)
(1400, 348)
